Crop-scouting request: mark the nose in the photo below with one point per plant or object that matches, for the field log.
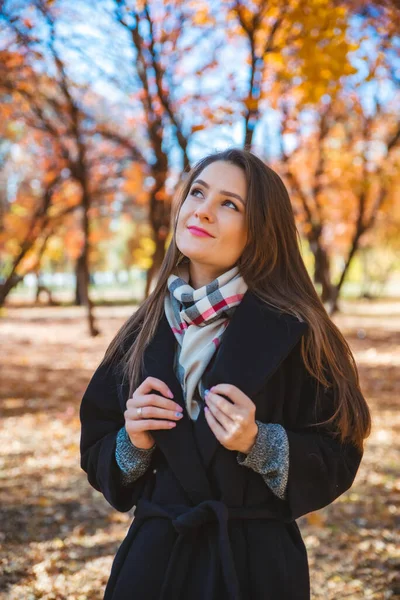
(205, 210)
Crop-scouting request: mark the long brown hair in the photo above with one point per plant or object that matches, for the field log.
(273, 268)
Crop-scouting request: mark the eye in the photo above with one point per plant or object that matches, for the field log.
(233, 204)
(195, 190)
(199, 190)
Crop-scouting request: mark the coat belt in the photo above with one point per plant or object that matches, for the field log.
(186, 519)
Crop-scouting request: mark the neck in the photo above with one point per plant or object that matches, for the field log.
(200, 275)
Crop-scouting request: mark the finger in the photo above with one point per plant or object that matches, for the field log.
(152, 383)
(221, 404)
(152, 400)
(215, 426)
(233, 393)
(152, 412)
(148, 424)
(222, 418)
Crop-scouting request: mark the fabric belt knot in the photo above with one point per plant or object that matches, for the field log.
(186, 519)
(201, 514)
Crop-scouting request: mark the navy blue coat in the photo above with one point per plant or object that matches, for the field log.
(205, 527)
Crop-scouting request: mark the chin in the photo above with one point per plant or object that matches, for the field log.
(192, 249)
(191, 254)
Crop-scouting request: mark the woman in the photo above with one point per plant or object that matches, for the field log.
(227, 406)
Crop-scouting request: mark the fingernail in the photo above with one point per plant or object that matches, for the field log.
(179, 414)
(170, 394)
(206, 392)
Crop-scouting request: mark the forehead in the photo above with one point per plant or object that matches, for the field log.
(225, 176)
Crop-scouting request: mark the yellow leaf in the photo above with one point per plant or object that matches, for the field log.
(315, 519)
(43, 501)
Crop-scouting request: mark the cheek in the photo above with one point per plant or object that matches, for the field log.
(181, 229)
(237, 233)
(236, 241)
(180, 221)
(183, 215)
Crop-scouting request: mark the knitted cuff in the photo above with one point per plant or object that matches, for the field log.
(132, 461)
(269, 457)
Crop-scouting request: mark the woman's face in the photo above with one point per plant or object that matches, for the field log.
(215, 203)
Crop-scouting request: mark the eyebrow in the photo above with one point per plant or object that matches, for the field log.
(224, 192)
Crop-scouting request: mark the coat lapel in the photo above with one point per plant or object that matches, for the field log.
(256, 341)
(178, 444)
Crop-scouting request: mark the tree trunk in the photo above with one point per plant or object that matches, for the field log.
(80, 282)
(353, 250)
(334, 303)
(43, 288)
(322, 273)
(5, 288)
(40, 216)
(83, 260)
(322, 267)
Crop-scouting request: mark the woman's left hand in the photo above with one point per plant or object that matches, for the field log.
(233, 425)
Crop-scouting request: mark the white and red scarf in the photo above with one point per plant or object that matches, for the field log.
(198, 319)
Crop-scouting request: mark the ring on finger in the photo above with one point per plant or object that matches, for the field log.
(139, 411)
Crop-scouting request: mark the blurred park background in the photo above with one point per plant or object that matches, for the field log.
(104, 105)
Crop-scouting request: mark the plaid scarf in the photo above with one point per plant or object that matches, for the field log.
(198, 318)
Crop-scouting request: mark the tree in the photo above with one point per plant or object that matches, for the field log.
(342, 172)
(51, 102)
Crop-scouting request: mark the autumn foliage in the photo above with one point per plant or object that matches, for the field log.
(98, 126)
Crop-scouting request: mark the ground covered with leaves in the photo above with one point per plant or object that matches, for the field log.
(58, 536)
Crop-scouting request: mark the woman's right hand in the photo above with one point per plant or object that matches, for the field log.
(158, 412)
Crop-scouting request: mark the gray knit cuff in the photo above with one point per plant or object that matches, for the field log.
(269, 457)
(132, 461)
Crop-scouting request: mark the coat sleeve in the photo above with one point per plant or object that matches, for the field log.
(321, 468)
(132, 461)
(101, 417)
(269, 456)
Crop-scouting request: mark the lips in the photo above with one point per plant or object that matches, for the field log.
(199, 231)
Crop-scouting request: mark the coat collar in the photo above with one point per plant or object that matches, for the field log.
(256, 341)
